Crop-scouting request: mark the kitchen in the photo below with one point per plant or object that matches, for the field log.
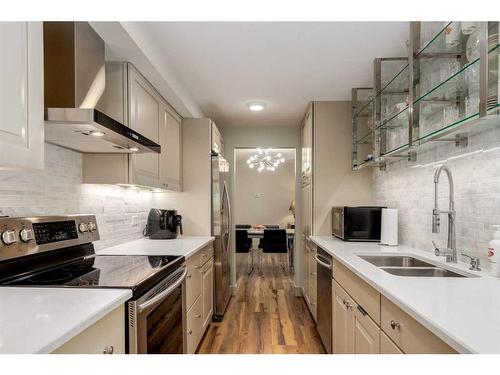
(117, 188)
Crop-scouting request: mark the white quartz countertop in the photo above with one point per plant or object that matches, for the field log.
(181, 246)
(39, 320)
(463, 312)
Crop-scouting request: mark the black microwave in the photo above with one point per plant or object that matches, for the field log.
(357, 223)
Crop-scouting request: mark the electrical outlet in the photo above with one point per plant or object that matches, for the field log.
(257, 195)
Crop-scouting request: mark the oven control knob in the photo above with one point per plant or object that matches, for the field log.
(26, 235)
(83, 227)
(9, 237)
(92, 226)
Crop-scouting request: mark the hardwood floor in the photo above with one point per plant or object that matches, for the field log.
(264, 316)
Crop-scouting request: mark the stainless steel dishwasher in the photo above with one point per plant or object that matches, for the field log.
(324, 298)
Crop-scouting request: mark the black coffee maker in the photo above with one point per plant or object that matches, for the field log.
(163, 224)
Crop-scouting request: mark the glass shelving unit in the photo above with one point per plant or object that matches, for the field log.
(362, 125)
(447, 86)
(391, 104)
(446, 90)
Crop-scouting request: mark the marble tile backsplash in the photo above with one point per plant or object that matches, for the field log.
(409, 187)
(58, 190)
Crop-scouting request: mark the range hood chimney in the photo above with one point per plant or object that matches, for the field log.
(75, 79)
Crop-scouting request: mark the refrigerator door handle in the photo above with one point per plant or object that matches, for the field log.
(229, 221)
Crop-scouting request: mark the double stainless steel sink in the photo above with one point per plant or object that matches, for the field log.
(406, 265)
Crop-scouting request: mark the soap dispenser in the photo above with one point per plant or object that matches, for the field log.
(494, 252)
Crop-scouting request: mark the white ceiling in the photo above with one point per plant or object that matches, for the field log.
(225, 65)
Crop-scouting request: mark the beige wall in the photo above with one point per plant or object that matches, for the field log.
(264, 197)
(335, 183)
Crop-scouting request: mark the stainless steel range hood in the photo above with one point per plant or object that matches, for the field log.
(74, 74)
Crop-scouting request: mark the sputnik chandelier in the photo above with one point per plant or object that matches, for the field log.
(265, 159)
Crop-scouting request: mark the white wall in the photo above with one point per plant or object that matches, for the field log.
(252, 137)
(264, 197)
(409, 187)
(57, 190)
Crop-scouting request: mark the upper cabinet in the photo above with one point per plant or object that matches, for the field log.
(21, 95)
(132, 100)
(307, 146)
(446, 89)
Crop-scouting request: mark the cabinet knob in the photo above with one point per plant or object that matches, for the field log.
(395, 324)
(108, 350)
(190, 332)
(189, 276)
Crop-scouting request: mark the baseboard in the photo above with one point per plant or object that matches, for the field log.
(298, 290)
(233, 289)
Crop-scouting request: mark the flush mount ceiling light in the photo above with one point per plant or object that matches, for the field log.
(96, 133)
(256, 106)
(134, 149)
(265, 159)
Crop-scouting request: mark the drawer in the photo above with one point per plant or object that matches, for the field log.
(408, 334)
(107, 335)
(206, 254)
(193, 280)
(387, 346)
(194, 326)
(364, 295)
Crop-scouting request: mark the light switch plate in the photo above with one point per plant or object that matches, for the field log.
(257, 195)
(135, 220)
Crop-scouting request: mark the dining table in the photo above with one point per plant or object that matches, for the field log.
(290, 235)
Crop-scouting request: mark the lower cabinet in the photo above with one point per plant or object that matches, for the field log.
(311, 287)
(353, 331)
(366, 322)
(387, 346)
(207, 290)
(106, 336)
(199, 297)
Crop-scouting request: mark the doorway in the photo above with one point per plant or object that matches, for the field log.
(264, 200)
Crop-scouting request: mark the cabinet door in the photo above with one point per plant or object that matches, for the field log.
(194, 326)
(342, 324)
(21, 95)
(307, 144)
(366, 334)
(144, 117)
(387, 346)
(170, 157)
(207, 280)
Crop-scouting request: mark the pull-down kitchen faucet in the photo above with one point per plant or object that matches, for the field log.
(451, 250)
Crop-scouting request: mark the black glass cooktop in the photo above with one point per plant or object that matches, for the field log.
(106, 271)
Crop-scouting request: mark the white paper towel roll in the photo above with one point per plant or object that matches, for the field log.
(389, 231)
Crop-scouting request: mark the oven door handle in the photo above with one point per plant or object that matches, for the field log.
(322, 262)
(156, 299)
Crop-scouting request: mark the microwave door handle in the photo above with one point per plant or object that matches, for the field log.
(322, 263)
(158, 298)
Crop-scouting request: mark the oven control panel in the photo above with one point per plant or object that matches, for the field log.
(30, 235)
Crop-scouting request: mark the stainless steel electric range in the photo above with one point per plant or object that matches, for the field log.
(58, 251)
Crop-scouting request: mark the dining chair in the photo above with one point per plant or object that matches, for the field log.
(274, 241)
(244, 245)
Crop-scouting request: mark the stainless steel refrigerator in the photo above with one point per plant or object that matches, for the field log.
(221, 230)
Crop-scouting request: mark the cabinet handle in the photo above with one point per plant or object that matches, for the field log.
(313, 273)
(190, 332)
(197, 316)
(108, 350)
(395, 324)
